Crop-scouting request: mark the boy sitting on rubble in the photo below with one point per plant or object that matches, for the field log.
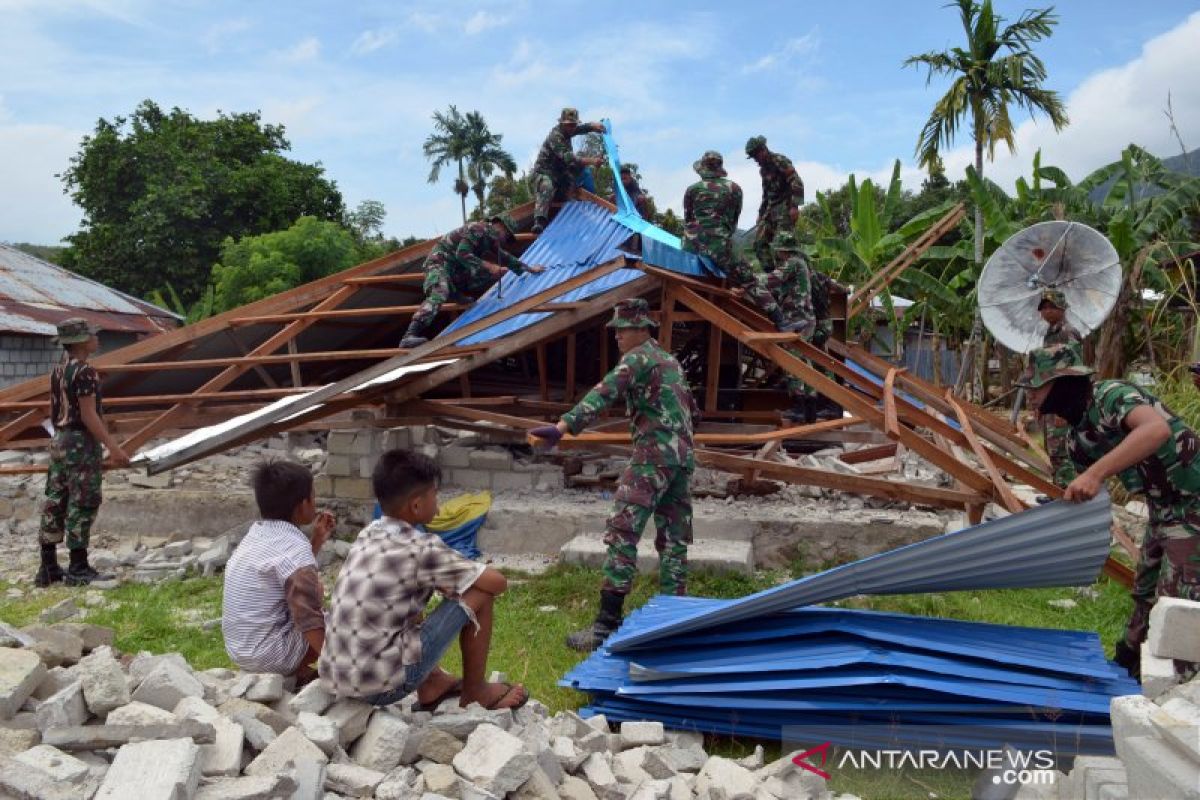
(272, 616)
(380, 646)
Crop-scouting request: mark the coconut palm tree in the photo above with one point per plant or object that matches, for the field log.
(450, 143)
(485, 156)
(997, 68)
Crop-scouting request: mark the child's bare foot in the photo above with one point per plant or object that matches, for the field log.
(437, 687)
(496, 695)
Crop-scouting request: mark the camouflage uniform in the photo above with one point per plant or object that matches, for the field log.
(75, 474)
(455, 267)
(1055, 430)
(782, 191)
(1169, 562)
(656, 480)
(557, 169)
(821, 285)
(711, 207)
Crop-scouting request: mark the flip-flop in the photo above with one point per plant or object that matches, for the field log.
(509, 690)
(451, 691)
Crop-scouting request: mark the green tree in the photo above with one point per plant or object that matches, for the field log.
(160, 191)
(366, 221)
(505, 192)
(485, 156)
(466, 141)
(996, 69)
(259, 266)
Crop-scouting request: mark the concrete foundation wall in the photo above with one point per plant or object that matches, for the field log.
(23, 357)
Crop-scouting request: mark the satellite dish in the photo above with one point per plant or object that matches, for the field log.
(1068, 256)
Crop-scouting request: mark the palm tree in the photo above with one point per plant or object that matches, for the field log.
(449, 143)
(987, 80)
(485, 156)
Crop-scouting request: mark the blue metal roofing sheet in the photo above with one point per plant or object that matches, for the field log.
(1058, 544)
(580, 238)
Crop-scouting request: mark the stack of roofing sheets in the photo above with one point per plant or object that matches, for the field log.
(760, 666)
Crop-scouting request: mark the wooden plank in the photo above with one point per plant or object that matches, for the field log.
(848, 399)
(277, 358)
(258, 370)
(866, 455)
(376, 280)
(569, 388)
(667, 326)
(1003, 490)
(330, 397)
(712, 376)
(771, 336)
(890, 424)
(795, 432)
(340, 313)
(764, 453)
(297, 380)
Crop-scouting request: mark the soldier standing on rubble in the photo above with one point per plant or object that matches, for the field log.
(1120, 430)
(557, 169)
(782, 196)
(711, 207)
(656, 482)
(466, 261)
(1053, 308)
(73, 481)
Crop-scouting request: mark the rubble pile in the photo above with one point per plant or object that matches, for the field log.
(79, 720)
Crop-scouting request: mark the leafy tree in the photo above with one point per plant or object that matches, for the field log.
(466, 141)
(46, 252)
(256, 267)
(160, 191)
(670, 222)
(366, 221)
(504, 192)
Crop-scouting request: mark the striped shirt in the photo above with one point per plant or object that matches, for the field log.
(260, 634)
(374, 622)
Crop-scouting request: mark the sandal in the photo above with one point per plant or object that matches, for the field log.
(452, 690)
(509, 687)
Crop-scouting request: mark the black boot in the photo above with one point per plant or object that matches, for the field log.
(410, 342)
(80, 572)
(1130, 658)
(539, 225)
(49, 572)
(606, 624)
(825, 409)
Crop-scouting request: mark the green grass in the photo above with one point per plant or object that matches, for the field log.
(527, 642)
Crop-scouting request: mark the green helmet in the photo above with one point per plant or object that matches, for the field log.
(785, 240)
(75, 330)
(754, 143)
(1056, 361)
(507, 222)
(633, 313)
(1055, 297)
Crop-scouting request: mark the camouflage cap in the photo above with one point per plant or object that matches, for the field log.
(507, 222)
(1056, 361)
(1055, 297)
(754, 144)
(785, 240)
(711, 164)
(628, 169)
(633, 313)
(569, 115)
(75, 330)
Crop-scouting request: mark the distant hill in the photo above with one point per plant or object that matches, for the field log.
(1184, 163)
(46, 252)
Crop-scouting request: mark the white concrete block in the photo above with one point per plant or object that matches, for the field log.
(494, 760)
(167, 768)
(321, 731)
(352, 780)
(1175, 629)
(1158, 674)
(313, 697)
(61, 766)
(62, 709)
(382, 744)
(723, 779)
(20, 673)
(289, 746)
(637, 734)
(166, 685)
(138, 713)
(351, 717)
(1155, 769)
(1130, 715)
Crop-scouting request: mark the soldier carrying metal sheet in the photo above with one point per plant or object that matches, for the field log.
(466, 262)
(557, 169)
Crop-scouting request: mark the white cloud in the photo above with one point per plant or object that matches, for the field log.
(481, 21)
(33, 207)
(217, 36)
(1109, 110)
(800, 48)
(370, 41)
(306, 49)
(430, 23)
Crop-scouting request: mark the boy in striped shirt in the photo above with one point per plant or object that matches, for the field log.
(272, 616)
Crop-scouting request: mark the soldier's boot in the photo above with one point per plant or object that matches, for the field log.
(825, 409)
(49, 572)
(539, 224)
(412, 338)
(606, 624)
(80, 572)
(1130, 658)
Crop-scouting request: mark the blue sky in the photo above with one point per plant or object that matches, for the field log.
(355, 85)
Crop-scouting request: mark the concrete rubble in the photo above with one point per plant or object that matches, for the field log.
(152, 727)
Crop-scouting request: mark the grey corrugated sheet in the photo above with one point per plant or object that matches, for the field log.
(1058, 544)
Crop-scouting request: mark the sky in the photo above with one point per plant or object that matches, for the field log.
(355, 85)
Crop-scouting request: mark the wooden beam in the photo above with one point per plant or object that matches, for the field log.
(340, 313)
(866, 455)
(771, 336)
(712, 375)
(667, 323)
(797, 432)
(271, 383)
(569, 387)
(1003, 490)
(890, 424)
(375, 280)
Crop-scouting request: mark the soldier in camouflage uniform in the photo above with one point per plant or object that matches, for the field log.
(637, 195)
(1053, 308)
(656, 481)
(782, 196)
(557, 169)
(75, 473)
(711, 207)
(808, 405)
(465, 262)
(1120, 430)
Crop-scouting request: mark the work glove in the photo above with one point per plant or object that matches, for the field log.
(547, 435)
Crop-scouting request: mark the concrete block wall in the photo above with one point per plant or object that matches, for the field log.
(23, 356)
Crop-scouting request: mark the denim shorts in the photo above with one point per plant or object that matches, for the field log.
(438, 631)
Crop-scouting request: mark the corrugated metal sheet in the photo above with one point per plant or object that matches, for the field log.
(35, 295)
(858, 677)
(1058, 544)
(580, 238)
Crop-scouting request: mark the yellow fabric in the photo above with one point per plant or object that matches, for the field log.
(460, 510)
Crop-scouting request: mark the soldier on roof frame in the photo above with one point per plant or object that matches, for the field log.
(558, 169)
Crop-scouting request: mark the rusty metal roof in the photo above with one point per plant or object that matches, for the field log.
(36, 295)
